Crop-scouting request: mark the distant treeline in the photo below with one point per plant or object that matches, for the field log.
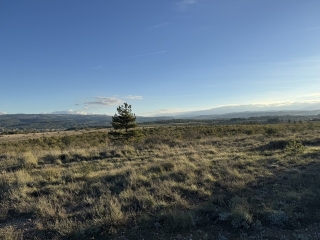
(250, 120)
(49, 122)
(14, 123)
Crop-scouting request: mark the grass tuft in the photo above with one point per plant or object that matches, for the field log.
(200, 182)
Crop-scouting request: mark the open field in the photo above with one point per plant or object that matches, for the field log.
(197, 182)
(37, 135)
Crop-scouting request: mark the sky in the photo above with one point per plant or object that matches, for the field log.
(162, 57)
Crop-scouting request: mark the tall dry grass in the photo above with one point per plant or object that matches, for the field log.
(204, 180)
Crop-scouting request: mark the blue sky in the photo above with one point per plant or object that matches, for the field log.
(162, 57)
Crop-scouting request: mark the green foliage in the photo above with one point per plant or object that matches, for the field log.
(271, 131)
(294, 147)
(125, 119)
(125, 137)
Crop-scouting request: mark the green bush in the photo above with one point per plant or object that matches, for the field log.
(271, 131)
(294, 147)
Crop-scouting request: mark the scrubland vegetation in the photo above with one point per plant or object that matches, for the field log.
(198, 182)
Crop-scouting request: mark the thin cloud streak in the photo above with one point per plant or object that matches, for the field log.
(99, 102)
(306, 101)
(158, 25)
(107, 101)
(97, 67)
(311, 28)
(182, 5)
(133, 97)
(144, 55)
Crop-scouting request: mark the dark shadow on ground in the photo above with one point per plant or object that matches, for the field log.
(283, 204)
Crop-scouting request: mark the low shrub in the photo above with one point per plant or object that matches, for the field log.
(28, 160)
(294, 147)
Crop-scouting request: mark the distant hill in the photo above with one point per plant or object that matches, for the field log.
(258, 109)
(249, 114)
(59, 121)
(51, 121)
(45, 122)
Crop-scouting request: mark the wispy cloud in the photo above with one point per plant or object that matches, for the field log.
(182, 5)
(301, 30)
(311, 29)
(97, 67)
(160, 25)
(315, 94)
(313, 60)
(99, 102)
(144, 55)
(106, 101)
(133, 97)
(309, 102)
(3, 113)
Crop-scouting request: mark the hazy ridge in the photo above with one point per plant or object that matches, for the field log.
(73, 121)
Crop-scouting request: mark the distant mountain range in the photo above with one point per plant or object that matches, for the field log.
(256, 110)
(249, 114)
(76, 121)
(59, 121)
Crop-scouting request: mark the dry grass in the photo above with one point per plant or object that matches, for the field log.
(212, 182)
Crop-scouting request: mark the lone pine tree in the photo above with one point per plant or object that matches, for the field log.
(125, 119)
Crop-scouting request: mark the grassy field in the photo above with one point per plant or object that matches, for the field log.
(197, 182)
